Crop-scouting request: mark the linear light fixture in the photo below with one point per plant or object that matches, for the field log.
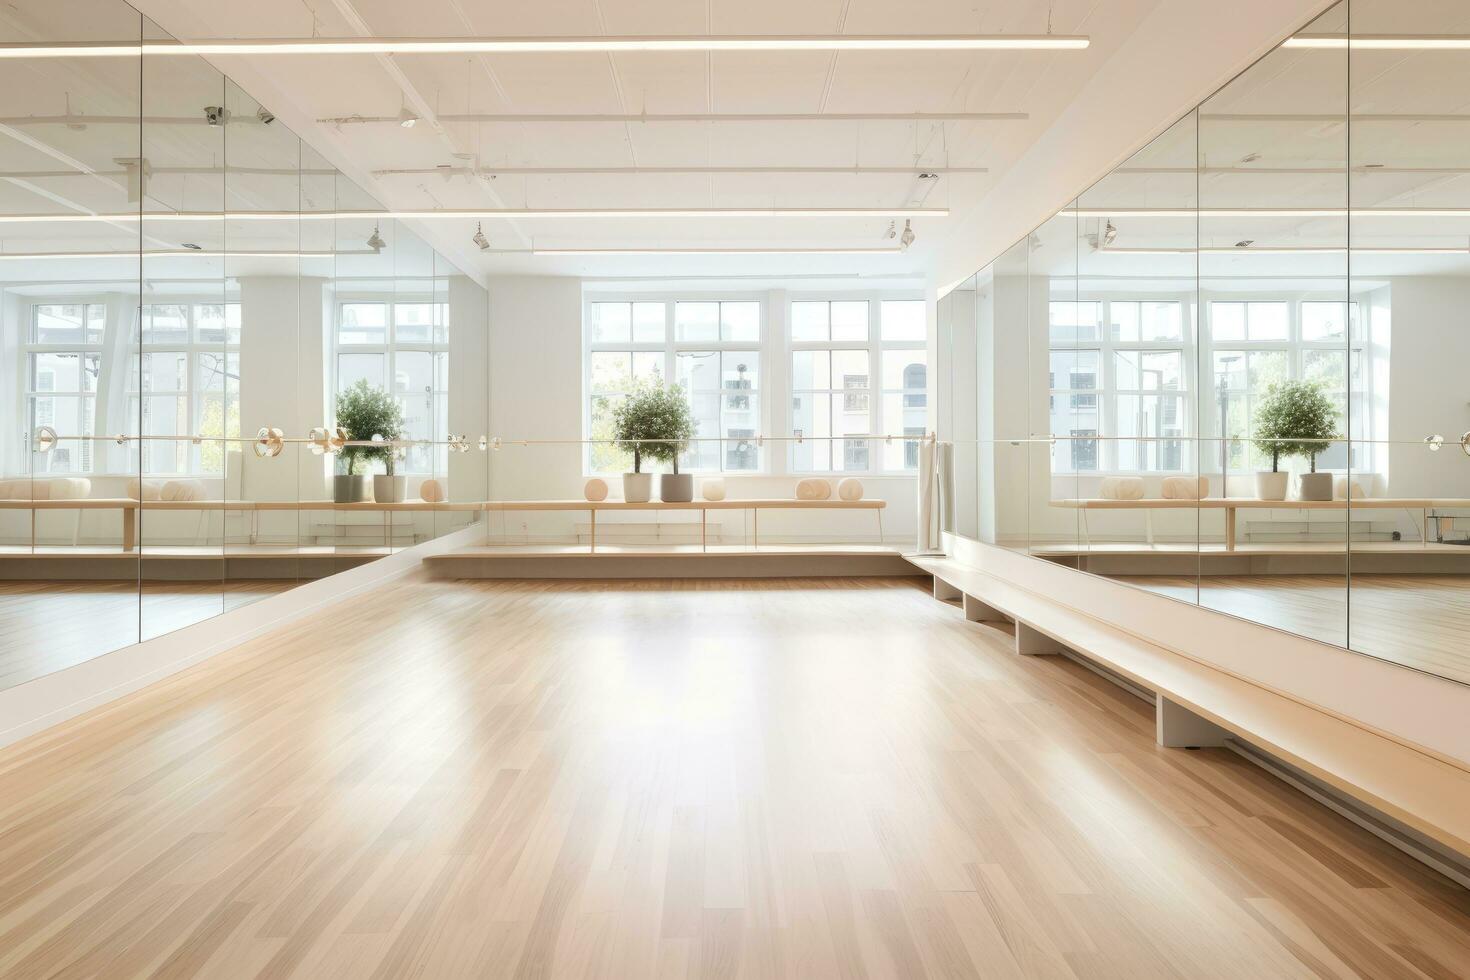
(1268, 212)
(488, 214)
(557, 45)
(1381, 42)
(173, 253)
(716, 250)
(1290, 250)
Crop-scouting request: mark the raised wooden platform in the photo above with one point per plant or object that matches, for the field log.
(1419, 794)
(678, 561)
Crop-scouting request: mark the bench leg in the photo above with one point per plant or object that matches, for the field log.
(1034, 643)
(982, 612)
(943, 591)
(1179, 728)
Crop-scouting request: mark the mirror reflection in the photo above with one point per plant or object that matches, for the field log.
(1245, 384)
(186, 321)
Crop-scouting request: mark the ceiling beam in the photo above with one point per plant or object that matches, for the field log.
(530, 171)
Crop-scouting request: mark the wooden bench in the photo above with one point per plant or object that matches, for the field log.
(1232, 505)
(1200, 705)
(130, 508)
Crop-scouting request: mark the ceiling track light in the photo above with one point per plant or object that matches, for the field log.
(479, 238)
(908, 236)
(556, 45)
(484, 214)
(375, 240)
(407, 118)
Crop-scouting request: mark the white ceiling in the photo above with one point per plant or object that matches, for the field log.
(304, 89)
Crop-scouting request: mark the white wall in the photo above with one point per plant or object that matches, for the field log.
(536, 380)
(1429, 384)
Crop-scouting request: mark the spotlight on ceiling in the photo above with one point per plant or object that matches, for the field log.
(375, 241)
(1110, 234)
(265, 115)
(214, 115)
(480, 239)
(892, 231)
(406, 118)
(908, 236)
(1245, 243)
(192, 246)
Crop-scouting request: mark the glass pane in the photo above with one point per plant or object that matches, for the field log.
(1162, 321)
(699, 373)
(850, 320)
(906, 369)
(611, 371)
(903, 418)
(740, 409)
(811, 415)
(903, 319)
(850, 374)
(611, 323)
(809, 321)
(165, 324)
(64, 372)
(1324, 321)
(1227, 321)
(1148, 370)
(64, 324)
(413, 323)
(648, 323)
(1124, 325)
(740, 322)
(1072, 320)
(648, 365)
(605, 457)
(352, 368)
(1267, 321)
(363, 323)
(698, 322)
(811, 369)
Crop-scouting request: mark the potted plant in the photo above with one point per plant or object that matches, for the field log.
(654, 422)
(1295, 418)
(367, 412)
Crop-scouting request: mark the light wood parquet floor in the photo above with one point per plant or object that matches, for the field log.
(718, 779)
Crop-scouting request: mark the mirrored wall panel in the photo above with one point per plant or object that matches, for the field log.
(228, 370)
(1244, 351)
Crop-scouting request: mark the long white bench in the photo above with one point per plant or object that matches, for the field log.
(1199, 705)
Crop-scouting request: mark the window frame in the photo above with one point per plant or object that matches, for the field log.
(670, 348)
(877, 391)
(436, 348)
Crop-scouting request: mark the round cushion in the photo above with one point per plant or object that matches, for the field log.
(1342, 485)
(712, 488)
(144, 489)
(813, 489)
(595, 490)
(1122, 488)
(431, 491)
(182, 490)
(850, 488)
(1186, 487)
(69, 488)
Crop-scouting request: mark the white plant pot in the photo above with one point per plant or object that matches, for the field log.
(1271, 486)
(390, 489)
(637, 487)
(1315, 486)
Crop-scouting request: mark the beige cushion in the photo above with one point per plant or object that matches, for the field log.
(595, 490)
(712, 488)
(851, 488)
(813, 489)
(1186, 487)
(182, 490)
(1340, 487)
(144, 489)
(1122, 488)
(431, 491)
(69, 488)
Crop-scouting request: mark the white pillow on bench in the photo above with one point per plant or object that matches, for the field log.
(1122, 488)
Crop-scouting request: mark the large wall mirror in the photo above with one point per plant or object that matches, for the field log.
(1245, 352)
(179, 272)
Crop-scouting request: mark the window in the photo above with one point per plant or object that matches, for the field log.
(1119, 367)
(182, 379)
(1257, 343)
(711, 347)
(836, 345)
(402, 346)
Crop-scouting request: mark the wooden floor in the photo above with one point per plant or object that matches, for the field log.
(46, 626)
(1420, 621)
(753, 779)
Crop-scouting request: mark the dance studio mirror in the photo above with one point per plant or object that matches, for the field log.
(1246, 379)
(178, 276)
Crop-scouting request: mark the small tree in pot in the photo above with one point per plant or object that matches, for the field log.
(1295, 418)
(654, 422)
(367, 412)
